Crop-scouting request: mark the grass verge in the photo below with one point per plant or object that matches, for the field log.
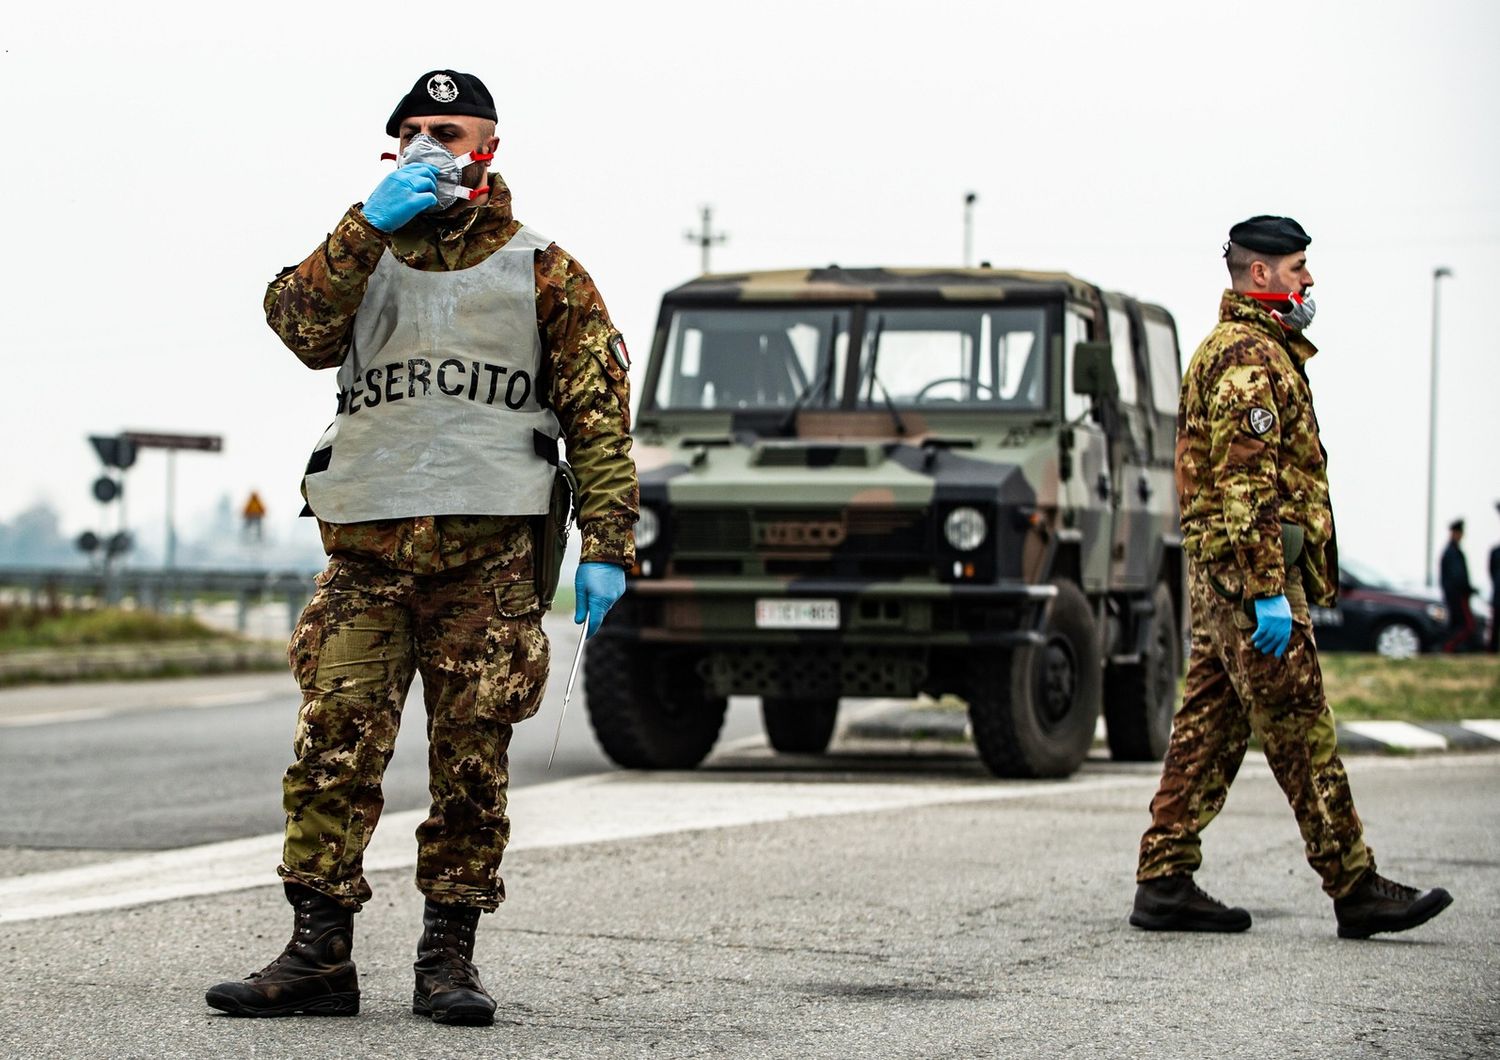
(23, 629)
(1427, 688)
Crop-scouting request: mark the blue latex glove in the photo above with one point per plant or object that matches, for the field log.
(1273, 630)
(597, 587)
(404, 193)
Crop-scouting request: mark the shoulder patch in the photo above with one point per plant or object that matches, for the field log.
(1261, 420)
(618, 351)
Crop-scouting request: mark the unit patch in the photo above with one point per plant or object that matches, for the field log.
(619, 352)
(1261, 420)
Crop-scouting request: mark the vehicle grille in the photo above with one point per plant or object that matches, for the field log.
(850, 542)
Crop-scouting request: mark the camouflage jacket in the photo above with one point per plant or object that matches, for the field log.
(311, 307)
(1249, 458)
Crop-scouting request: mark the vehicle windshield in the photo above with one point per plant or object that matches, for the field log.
(754, 358)
(990, 357)
(1365, 575)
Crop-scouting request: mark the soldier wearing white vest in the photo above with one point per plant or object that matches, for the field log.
(467, 347)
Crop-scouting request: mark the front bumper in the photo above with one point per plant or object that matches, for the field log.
(721, 611)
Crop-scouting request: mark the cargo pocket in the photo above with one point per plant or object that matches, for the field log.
(511, 689)
(517, 600)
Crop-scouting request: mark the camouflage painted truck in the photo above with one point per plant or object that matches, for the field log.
(890, 482)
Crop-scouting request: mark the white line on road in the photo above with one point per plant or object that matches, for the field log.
(1399, 734)
(1488, 727)
(593, 809)
(51, 717)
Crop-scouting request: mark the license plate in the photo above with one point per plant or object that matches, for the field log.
(796, 614)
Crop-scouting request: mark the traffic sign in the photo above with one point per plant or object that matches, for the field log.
(113, 450)
(212, 443)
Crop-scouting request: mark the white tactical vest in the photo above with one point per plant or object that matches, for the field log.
(438, 407)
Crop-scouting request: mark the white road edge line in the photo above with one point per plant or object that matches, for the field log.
(1486, 727)
(1399, 734)
(593, 809)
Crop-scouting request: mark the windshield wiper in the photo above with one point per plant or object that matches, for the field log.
(875, 379)
(818, 384)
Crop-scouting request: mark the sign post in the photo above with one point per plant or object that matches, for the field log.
(208, 443)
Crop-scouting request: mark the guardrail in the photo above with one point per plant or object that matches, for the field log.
(159, 590)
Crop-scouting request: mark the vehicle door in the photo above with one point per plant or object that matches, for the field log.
(1089, 491)
(1163, 365)
(1135, 540)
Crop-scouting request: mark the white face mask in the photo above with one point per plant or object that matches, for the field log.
(1300, 315)
(450, 167)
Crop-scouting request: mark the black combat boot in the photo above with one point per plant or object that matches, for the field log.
(1378, 904)
(313, 975)
(448, 987)
(1176, 903)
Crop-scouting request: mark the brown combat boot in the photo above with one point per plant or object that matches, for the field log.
(1377, 904)
(1176, 903)
(448, 987)
(313, 975)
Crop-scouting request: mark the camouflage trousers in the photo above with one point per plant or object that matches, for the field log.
(1232, 690)
(475, 635)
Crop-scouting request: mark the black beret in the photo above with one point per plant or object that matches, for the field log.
(443, 92)
(1270, 235)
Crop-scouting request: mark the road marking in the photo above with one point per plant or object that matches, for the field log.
(1399, 734)
(594, 809)
(217, 699)
(228, 699)
(52, 716)
(1486, 727)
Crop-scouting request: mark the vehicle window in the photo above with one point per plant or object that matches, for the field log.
(995, 358)
(754, 358)
(1124, 356)
(1367, 576)
(1166, 370)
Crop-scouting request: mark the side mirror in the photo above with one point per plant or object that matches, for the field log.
(1094, 371)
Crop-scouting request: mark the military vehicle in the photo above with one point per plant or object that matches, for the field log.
(896, 482)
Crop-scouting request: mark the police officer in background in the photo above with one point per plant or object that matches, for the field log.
(1258, 532)
(466, 344)
(1493, 644)
(1453, 577)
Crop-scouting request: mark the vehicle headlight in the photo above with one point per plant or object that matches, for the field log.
(965, 529)
(1437, 612)
(647, 528)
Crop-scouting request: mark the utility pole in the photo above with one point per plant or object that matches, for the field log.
(1438, 275)
(970, 198)
(706, 237)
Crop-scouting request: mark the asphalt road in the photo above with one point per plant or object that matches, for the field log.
(162, 764)
(865, 904)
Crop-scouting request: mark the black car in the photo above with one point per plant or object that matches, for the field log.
(1373, 615)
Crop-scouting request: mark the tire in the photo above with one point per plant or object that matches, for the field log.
(1140, 700)
(1033, 711)
(1397, 640)
(799, 726)
(648, 706)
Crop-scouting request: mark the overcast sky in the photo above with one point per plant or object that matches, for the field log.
(165, 160)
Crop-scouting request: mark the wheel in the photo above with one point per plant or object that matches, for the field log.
(1139, 700)
(1033, 712)
(1398, 640)
(799, 726)
(648, 706)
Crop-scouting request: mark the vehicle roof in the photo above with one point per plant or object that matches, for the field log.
(880, 284)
